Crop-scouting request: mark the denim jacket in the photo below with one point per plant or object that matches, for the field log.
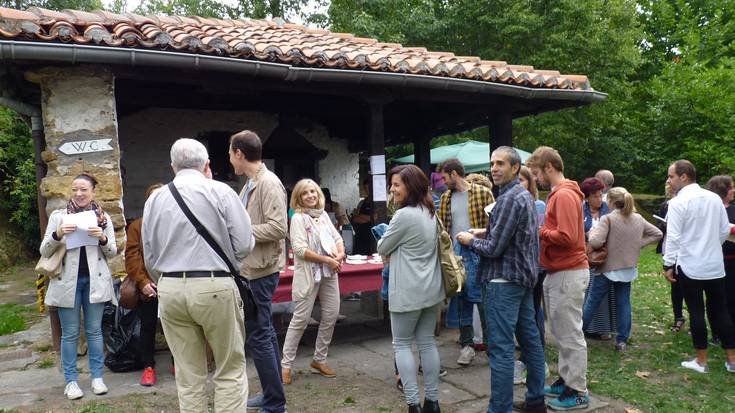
(604, 210)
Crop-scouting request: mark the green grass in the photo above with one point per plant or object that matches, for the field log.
(94, 407)
(46, 363)
(654, 353)
(13, 318)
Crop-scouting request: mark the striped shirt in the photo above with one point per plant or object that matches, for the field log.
(478, 197)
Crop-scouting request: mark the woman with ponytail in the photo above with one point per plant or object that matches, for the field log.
(85, 282)
(624, 232)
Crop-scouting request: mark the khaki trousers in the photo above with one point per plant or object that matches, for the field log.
(328, 292)
(564, 298)
(194, 312)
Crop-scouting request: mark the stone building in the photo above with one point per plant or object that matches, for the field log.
(109, 93)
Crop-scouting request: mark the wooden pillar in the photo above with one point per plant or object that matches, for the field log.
(500, 124)
(501, 129)
(376, 148)
(422, 153)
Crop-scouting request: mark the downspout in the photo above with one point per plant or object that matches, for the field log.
(38, 145)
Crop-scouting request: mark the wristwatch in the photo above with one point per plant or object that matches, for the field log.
(668, 267)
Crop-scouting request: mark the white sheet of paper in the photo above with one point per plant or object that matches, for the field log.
(79, 238)
(377, 164)
(379, 191)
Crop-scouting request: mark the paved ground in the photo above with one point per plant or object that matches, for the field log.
(361, 354)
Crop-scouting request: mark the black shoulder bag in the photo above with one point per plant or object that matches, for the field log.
(242, 283)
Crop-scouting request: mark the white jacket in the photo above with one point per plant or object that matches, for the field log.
(62, 289)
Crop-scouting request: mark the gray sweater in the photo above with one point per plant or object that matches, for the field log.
(624, 238)
(415, 275)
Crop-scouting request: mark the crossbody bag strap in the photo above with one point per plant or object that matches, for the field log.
(200, 228)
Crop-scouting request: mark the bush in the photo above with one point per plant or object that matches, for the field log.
(18, 189)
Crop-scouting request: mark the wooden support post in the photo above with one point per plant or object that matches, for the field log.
(501, 129)
(376, 145)
(500, 124)
(422, 153)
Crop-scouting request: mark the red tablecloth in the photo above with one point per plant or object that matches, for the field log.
(352, 278)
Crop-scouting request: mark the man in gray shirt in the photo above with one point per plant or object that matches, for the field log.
(462, 207)
(199, 302)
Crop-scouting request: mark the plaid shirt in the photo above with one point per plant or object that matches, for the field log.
(510, 248)
(478, 198)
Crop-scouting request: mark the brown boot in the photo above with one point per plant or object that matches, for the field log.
(286, 376)
(322, 368)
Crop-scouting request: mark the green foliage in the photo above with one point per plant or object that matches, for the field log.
(258, 9)
(87, 5)
(18, 176)
(665, 64)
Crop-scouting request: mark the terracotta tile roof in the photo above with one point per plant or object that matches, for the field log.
(272, 41)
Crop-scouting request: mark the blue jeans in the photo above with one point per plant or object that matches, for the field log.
(262, 343)
(69, 318)
(509, 312)
(598, 292)
(419, 326)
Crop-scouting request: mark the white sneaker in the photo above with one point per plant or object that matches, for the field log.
(72, 391)
(466, 355)
(693, 365)
(519, 372)
(98, 386)
(730, 367)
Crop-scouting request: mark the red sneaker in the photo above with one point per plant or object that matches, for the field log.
(148, 378)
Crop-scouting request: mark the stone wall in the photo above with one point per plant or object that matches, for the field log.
(78, 104)
(146, 137)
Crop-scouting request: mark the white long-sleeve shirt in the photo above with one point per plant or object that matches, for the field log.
(170, 241)
(696, 227)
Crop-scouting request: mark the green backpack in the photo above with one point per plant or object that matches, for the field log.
(453, 273)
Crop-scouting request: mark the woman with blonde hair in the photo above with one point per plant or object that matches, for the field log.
(318, 254)
(624, 232)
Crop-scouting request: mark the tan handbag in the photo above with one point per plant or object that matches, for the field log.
(51, 266)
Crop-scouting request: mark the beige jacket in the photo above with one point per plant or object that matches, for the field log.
(62, 290)
(269, 218)
(303, 274)
(624, 238)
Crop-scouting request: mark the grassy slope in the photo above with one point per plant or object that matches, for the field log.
(655, 353)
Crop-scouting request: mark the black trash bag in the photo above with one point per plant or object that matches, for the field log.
(121, 332)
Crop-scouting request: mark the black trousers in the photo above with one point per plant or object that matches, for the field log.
(148, 313)
(730, 288)
(677, 300)
(695, 292)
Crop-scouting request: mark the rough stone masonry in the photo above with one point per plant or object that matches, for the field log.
(78, 104)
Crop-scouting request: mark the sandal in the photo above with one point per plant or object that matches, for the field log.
(678, 324)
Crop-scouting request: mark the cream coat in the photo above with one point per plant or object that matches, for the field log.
(62, 289)
(303, 282)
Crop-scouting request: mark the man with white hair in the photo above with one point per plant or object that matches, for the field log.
(608, 179)
(199, 302)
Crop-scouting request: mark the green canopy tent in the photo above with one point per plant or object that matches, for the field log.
(475, 156)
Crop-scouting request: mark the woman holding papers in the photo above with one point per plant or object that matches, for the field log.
(85, 282)
(318, 254)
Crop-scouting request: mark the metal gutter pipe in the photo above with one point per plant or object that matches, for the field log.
(74, 53)
(38, 145)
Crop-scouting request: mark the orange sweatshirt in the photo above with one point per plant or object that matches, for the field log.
(562, 235)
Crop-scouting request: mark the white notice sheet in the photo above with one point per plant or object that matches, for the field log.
(83, 221)
(379, 190)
